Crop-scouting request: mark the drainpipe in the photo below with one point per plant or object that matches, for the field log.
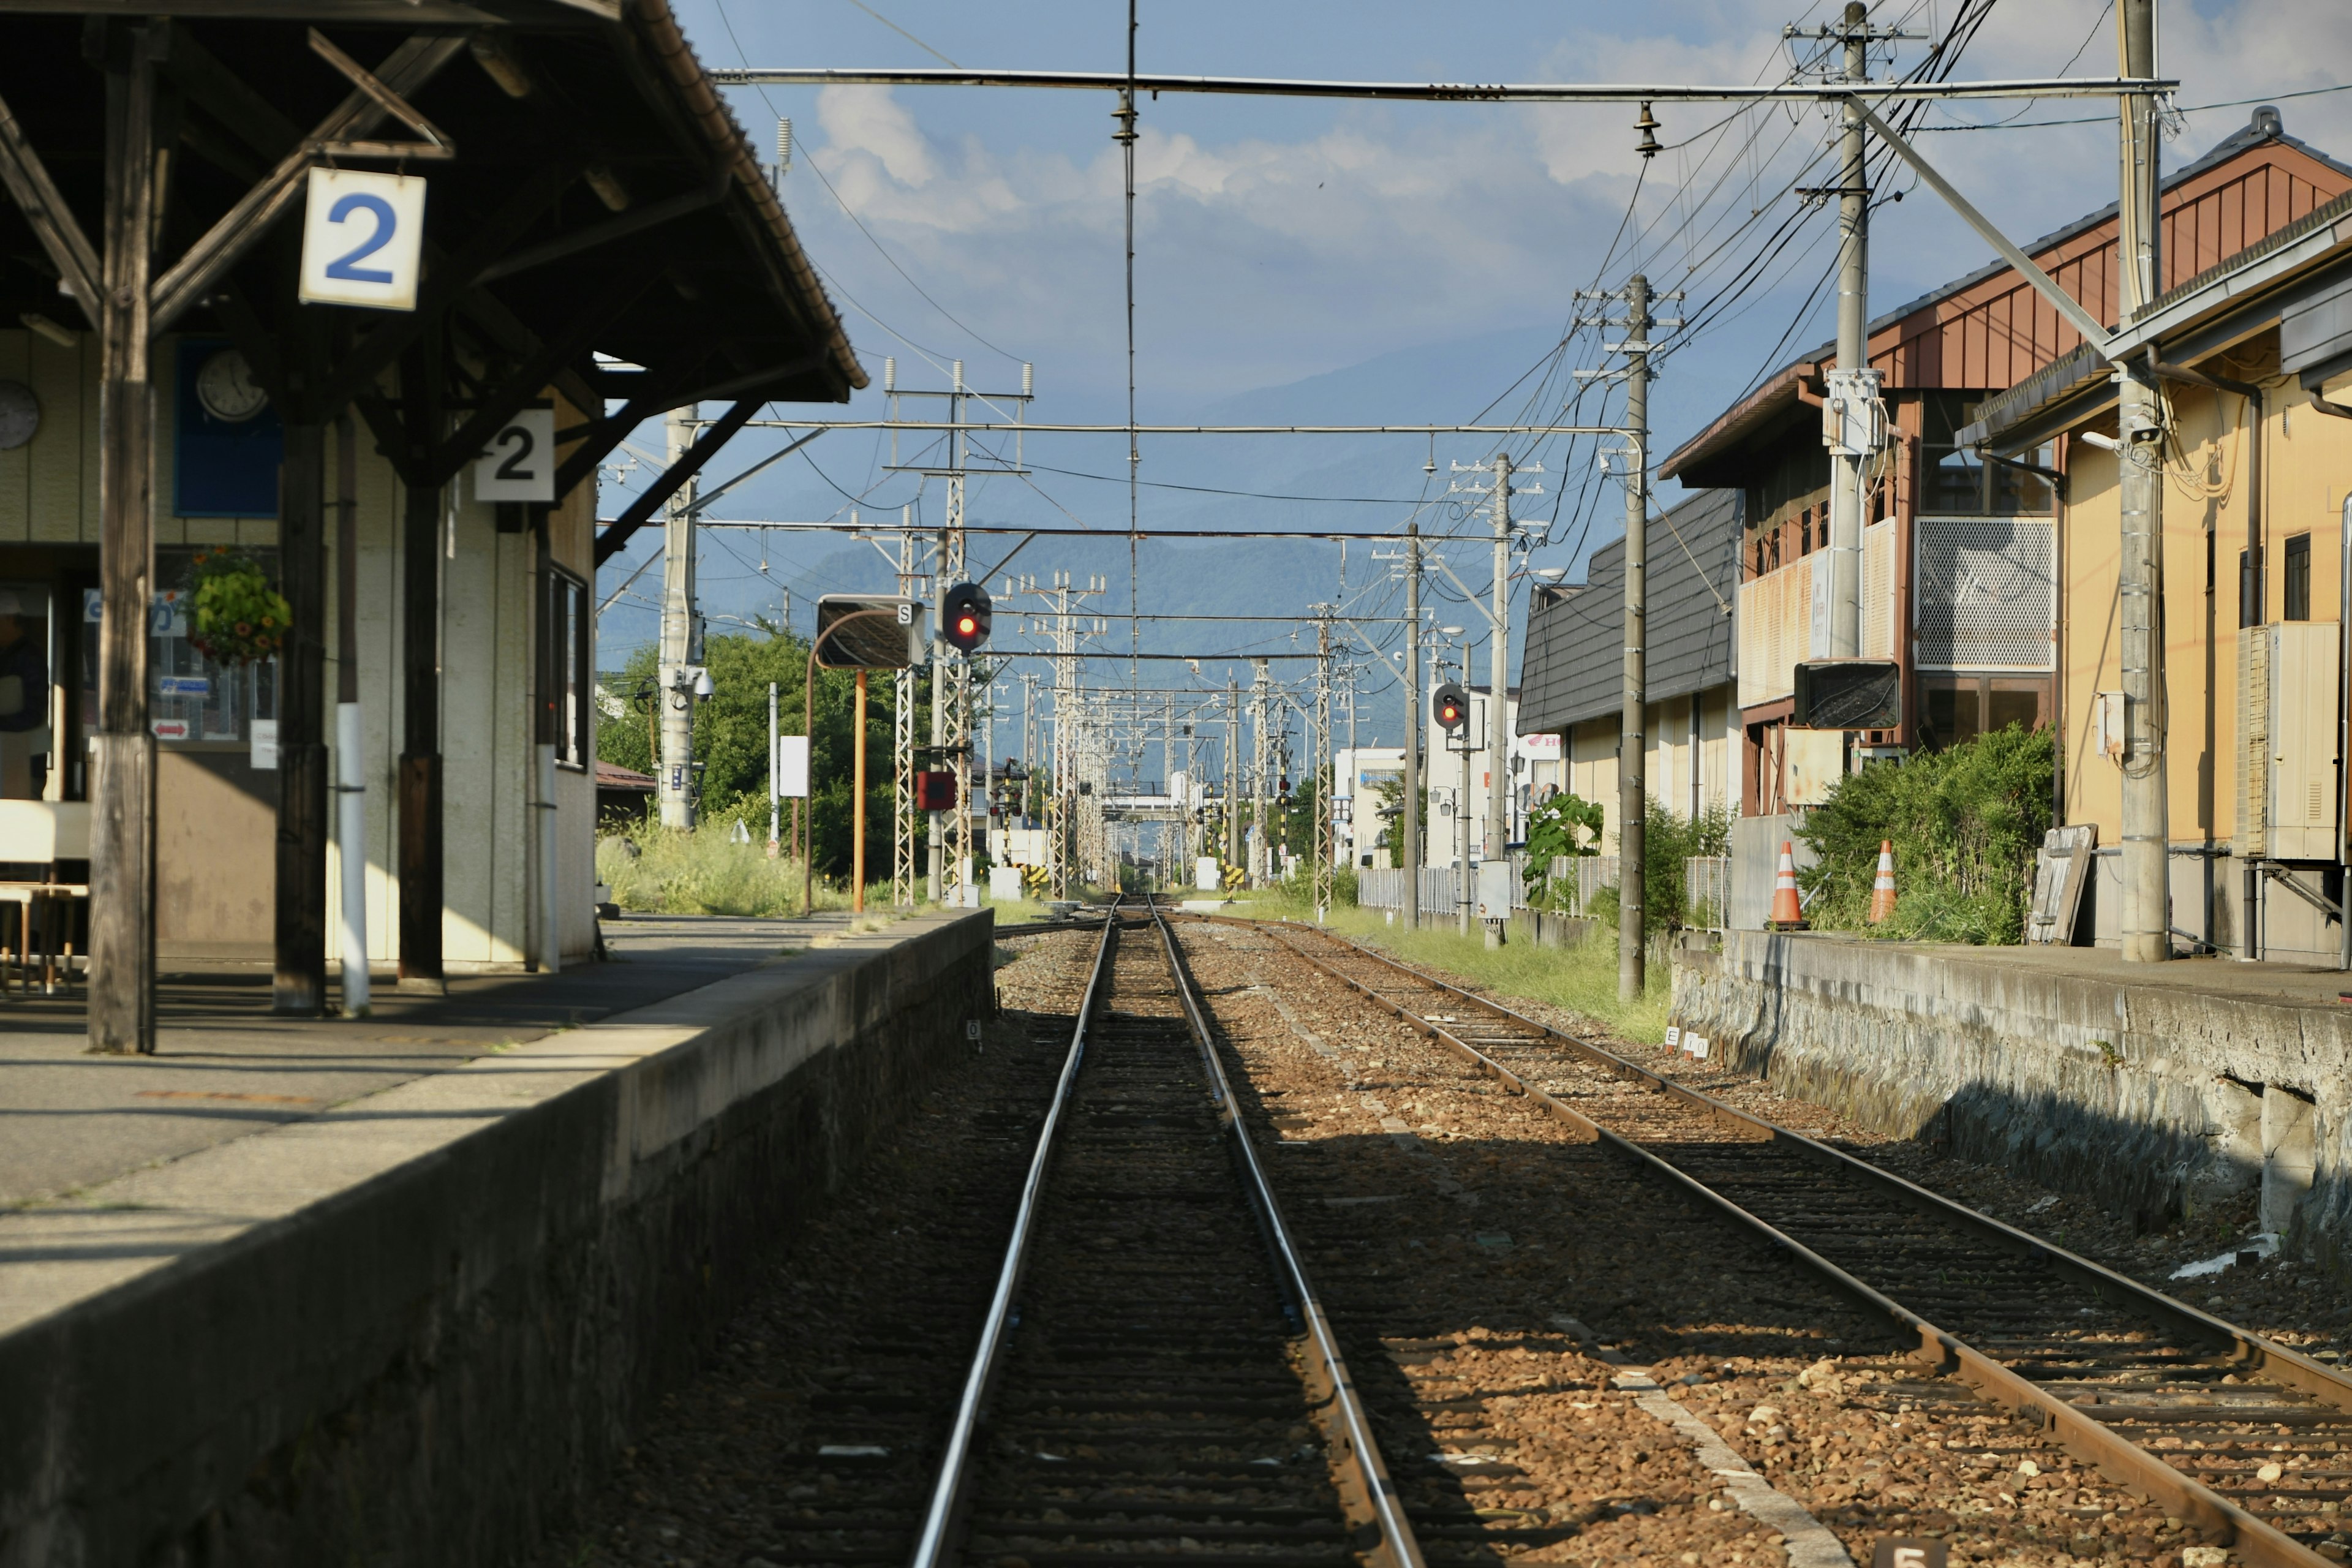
(2251, 589)
(2343, 724)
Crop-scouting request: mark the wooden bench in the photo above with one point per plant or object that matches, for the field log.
(43, 836)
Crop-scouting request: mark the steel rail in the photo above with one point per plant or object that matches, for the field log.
(1365, 1481)
(948, 1492)
(2259, 1543)
(1438, 91)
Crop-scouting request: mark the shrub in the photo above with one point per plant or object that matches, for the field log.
(1964, 824)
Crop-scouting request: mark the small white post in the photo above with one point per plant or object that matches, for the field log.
(775, 796)
(350, 839)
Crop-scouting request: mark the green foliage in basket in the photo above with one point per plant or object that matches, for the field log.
(237, 616)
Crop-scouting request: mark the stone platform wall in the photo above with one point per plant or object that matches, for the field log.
(414, 1331)
(2154, 1099)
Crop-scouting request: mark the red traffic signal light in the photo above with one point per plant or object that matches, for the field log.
(935, 791)
(1450, 707)
(965, 615)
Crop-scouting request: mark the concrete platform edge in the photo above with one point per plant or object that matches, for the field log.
(2153, 1097)
(413, 1328)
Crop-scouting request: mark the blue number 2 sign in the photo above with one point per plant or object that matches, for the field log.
(362, 238)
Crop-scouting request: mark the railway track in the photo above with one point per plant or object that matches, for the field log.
(1154, 1373)
(2249, 1442)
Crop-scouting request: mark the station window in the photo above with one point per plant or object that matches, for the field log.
(2297, 582)
(1959, 708)
(565, 648)
(1960, 483)
(192, 700)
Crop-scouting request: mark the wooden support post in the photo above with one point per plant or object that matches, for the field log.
(122, 772)
(858, 810)
(421, 880)
(300, 981)
(421, 877)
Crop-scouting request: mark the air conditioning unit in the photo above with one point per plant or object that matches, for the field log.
(2286, 736)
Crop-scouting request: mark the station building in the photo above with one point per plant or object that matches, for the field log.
(601, 244)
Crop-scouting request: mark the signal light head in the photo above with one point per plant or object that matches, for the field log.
(1450, 706)
(967, 612)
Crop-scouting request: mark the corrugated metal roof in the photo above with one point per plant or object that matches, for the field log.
(1574, 665)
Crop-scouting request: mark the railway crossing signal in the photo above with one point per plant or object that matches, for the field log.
(966, 614)
(1450, 707)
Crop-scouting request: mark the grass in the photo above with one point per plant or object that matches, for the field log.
(698, 871)
(1580, 979)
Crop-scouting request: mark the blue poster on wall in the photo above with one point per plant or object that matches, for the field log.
(227, 444)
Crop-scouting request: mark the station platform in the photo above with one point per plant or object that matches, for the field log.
(225, 1066)
(294, 1291)
(2156, 1087)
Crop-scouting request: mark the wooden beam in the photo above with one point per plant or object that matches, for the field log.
(447, 277)
(598, 234)
(121, 1016)
(496, 323)
(689, 463)
(597, 441)
(532, 375)
(409, 67)
(36, 196)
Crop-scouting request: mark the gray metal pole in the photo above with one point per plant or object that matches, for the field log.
(1632, 792)
(1233, 773)
(1262, 867)
(1844, 585)
(1416, 725)
(2147, 818)
(1498, 704)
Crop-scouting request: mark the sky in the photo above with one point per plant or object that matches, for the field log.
(1300, 259)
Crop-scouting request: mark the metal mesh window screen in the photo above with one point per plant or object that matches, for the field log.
(1987, 592)
(1878, 591)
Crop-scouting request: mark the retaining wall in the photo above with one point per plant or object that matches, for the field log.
(415, 1329)
(2157, 1098)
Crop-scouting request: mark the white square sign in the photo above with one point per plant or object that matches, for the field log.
(792, 767)
(362, 236)
(519, 462)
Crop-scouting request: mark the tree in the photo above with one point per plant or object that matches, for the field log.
(1566, 827)
(731, 731)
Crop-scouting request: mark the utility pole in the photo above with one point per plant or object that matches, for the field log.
(1321, 756)
(1416, 725)
(1498, 712)
(1853, 380)
(675, 785)
(903, 815)
(1262, 842)
(1632, 792)
(2147, 818)
(1232, 772)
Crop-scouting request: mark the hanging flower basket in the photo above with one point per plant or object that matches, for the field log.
(236, 617)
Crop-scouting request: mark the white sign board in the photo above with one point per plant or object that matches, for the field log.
(519, 462)
(1493, 889)
(792, 767)
(1537, 748)
(1208, 876)
(362, 234)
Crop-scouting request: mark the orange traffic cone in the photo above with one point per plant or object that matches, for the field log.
(1788, 912)
(1882, 891)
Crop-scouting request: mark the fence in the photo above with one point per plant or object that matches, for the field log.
(1383, 887)
(1707, 891)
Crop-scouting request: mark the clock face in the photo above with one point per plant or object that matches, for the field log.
(226, 387)
(20, 415)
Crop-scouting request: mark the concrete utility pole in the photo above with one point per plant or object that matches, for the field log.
(674, 787)
(1262, 841)
(1321, 757)
(1416, 725)
(1498, 704)
(1632, 792)
(1848, 464)
(2147, 818)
